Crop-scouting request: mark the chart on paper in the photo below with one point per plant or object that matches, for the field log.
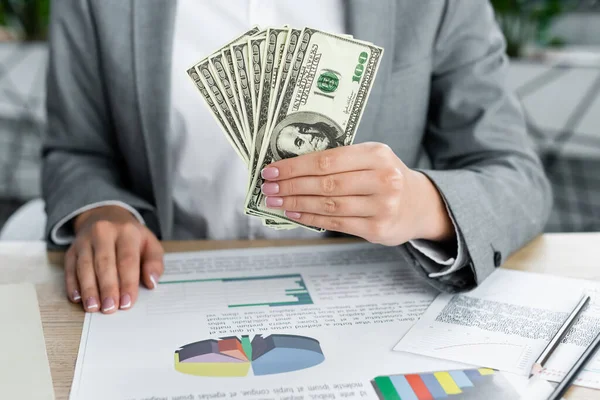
(236, 292)
(236, 356)
(476, 383)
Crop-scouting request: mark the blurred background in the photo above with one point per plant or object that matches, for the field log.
(554, 46)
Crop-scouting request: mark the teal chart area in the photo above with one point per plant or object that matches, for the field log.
(251, 291)
(242, 356)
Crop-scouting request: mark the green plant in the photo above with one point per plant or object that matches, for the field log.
(524, 21)
(28, 19)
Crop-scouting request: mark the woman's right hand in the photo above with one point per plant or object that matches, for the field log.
(112, 251)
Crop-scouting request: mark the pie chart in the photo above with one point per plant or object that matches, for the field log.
(242, 356)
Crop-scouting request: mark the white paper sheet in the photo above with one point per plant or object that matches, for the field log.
(24, 368)
(353, 300)
(507, 321)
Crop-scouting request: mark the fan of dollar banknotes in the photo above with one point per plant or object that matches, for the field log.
(281, 92)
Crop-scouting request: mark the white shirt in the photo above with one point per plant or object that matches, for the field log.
(209, 180)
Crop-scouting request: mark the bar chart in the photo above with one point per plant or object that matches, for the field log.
(234, 292)
(469, 384)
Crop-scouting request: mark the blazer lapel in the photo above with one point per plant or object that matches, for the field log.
(153, 24)
(374, 21)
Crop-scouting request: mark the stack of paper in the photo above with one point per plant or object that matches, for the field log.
(506, 323)
(294, 323)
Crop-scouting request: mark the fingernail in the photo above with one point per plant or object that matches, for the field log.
(76, 295)
(269, 173)
(125, 301)
(108, 304)
(270, 188)
(154, 280)
(293, 215)
(274, 201)
(91, 303)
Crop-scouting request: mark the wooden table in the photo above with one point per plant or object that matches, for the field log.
(572, 255)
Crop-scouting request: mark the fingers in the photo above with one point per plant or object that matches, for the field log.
(342, 184)
(71, 283)
(105, 265)
(375, 230)
(87, 277)
(355, 226)
(152, 260)
(128, 266)
(347, 206)
(357, 157)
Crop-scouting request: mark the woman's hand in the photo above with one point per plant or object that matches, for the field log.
(111, 251)
(363, 190)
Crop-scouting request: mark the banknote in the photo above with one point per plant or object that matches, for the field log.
(283, 69)
(256, 48)
(281, 92)
(242, 76)
(193, 74)
(219, 70)
(210, 83)
(204, 78)
(274, 39)
(321, 104)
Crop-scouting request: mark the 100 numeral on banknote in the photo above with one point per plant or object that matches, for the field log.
(321, 105)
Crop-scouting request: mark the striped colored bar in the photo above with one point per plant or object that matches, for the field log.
(386, 388)
(419, 387)
(486, 371)
(473, 375)
(403, 388)
(461, 379)
(447, 383)
(434, 386)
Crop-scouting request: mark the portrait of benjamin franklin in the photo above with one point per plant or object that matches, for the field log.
(303, 133)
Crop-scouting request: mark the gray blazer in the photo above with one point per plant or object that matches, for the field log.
(439, 101)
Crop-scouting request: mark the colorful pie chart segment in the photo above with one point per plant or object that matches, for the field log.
(233, 356)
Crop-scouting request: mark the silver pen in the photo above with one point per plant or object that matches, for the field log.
(538, 366)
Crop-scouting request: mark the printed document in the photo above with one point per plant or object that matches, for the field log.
(506, 323)
(294, 323)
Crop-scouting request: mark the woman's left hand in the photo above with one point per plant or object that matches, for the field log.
(363, 190)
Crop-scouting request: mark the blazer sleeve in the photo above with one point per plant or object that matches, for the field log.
(81, 162)
(484, 164)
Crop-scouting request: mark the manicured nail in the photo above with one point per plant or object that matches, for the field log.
(293, 215)
(125, 301)
(108, 304)
(154, 280)
(91, 303)
(76, 295)
(274, 201)
(269, 173)
(270, 188)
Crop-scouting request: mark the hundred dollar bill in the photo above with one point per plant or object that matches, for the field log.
(193, 74)
(210, 82)
(206, 84)
(274, 46)
(219, 70)
(285, 62)
(256, 53)
(321, 105)
(274, 40)
(230, 70)
(283, 69)
(239, 54)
